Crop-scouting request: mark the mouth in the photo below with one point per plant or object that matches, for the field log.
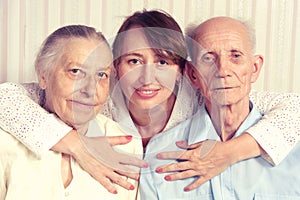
(223, 88)
(82, 104)
(146, 92)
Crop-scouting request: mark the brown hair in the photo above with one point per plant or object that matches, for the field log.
(162, 32)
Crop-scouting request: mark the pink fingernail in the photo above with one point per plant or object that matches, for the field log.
(131, 187)
(168, 178)
(146, 165)
(129, 137)
(159, 170)
(158, 156)
(115, 192)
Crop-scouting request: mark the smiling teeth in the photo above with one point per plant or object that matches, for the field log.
(146, 91)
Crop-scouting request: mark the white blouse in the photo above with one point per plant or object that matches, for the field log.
(277, 133)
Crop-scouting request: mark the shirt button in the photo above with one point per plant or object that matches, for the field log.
(67, 193)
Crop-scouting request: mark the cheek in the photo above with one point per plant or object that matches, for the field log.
(167, 77)
(102, 91)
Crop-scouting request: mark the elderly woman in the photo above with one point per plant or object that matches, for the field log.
(73, 68)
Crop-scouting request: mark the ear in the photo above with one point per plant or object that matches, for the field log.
(258, 61)
(192, 72)
(42, 81)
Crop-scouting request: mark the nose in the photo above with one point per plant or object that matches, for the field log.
(88, 86)
(147, 74)
(223, 67)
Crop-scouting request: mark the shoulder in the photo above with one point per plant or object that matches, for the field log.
(109, 127)
(10, 147)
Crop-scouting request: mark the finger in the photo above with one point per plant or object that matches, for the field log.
(134, 176)
(117, 140)
(185, 145)
(175, 167)
(133, 161)
(105, 182)
(196, 183)
(182, 144)
(169, 155)
(121, 181)
(181, 175)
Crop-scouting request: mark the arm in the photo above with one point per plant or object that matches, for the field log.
(276, 134)
(26, 120)
(39, 131)
(278, 131)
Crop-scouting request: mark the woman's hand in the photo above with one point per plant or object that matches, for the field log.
(204, 159)
(97, 157)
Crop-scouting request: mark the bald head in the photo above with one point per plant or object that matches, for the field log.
(222, 27)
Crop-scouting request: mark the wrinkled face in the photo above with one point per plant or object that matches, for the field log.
(224, 65)
(147, 77)
(78, 86)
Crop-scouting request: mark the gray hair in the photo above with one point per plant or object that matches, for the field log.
(52, 48)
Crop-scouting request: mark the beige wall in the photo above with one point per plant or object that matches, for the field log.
(25, 23)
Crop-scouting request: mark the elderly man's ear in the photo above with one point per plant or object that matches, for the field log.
(192, 74)
(258, 62)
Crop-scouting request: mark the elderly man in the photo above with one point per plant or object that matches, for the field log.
(223, 68)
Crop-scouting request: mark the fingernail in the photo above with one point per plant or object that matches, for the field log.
(131, 187)
(186, 189)
(146, 165)
(168, 178)
(158, 156)
(159, 170)
(129, 137)
(115, 192)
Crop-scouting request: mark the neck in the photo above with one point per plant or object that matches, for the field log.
(228, 118)
(150, 122)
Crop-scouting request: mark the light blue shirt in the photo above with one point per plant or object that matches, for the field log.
(250, 179)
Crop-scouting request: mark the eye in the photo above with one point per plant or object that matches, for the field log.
(102, 75)
(76, 73)
(134, 61)
(236, 55)
(163, 62)
(208, 59)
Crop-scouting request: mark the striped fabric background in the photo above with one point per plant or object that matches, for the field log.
(25, 23)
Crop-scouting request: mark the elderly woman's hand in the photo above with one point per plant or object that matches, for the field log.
(204, 159)
(97, 157)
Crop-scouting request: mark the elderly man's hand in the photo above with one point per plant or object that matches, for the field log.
(204, 159)
(97, 157)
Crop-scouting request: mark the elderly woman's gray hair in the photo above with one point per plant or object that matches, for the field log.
(52, 48)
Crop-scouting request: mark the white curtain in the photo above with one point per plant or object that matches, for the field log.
(25, 24)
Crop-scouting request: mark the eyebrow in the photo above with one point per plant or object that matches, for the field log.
(133, 54)
(236, 50)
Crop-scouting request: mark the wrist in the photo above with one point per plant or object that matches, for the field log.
(243, 147)
(69, 144)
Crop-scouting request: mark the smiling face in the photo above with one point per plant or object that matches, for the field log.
(224, 64)
(147, 76)
(78, 86)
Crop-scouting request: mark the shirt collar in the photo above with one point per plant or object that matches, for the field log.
(202, 127)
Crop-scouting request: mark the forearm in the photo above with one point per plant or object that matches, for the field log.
(26, 120)
(278, 131)
(243, 147)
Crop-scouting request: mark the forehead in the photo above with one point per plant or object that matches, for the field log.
(134, 39)
(87, 51)
(218, 36)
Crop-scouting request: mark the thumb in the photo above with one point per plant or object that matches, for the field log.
(117, 140)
